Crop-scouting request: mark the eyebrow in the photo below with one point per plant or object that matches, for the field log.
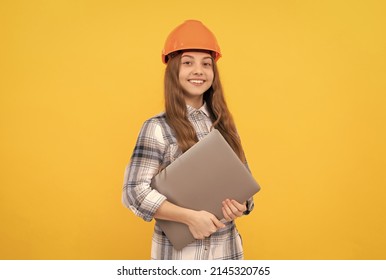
(189, 56)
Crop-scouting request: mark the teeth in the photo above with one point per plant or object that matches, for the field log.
(196, 81)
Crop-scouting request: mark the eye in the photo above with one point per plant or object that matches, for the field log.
(207, 63)
(187, 63)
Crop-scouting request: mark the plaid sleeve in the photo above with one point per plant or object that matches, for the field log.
(144, 165)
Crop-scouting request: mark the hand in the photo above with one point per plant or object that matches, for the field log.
(202, 224)
(232, 209)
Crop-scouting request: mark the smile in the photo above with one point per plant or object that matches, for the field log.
(196, 82)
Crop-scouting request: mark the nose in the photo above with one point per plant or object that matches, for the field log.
(197, 70)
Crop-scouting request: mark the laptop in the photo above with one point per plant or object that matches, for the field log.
(200, 179)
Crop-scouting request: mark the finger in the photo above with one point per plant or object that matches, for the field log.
(198, 235)
(217, 223)
(213, 230)
(232, 207)
(225, 214)
(210, 232)
(229, 211)
(239, 206)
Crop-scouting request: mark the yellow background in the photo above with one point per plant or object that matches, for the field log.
(305, 81)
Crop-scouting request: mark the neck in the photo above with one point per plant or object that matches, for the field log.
(195, 102)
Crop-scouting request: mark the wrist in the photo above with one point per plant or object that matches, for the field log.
(187, 216)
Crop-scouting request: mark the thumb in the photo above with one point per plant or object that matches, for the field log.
(217, 223)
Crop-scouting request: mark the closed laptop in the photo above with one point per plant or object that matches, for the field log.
(200, 179)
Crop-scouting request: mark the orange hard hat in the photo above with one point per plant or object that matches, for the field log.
(191, 34)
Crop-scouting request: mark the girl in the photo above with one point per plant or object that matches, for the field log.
(194, 104)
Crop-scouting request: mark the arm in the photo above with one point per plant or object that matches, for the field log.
(146, 202)
(144, 165)
(201, 223)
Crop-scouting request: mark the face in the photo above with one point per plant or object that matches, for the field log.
(196, 75)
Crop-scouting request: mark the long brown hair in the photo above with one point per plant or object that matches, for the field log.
(176, 111)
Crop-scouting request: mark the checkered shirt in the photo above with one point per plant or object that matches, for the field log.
(156, 148)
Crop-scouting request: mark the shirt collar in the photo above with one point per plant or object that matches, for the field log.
(204, 109)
